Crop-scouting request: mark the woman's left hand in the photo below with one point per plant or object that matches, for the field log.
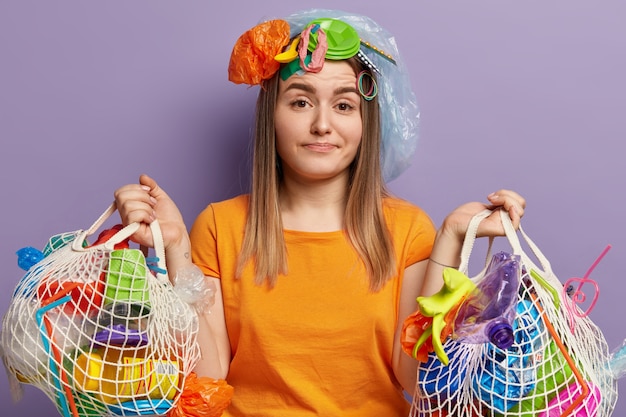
(457, 222)
(450, 236)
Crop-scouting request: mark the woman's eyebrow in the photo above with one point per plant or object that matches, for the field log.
(310, 89)
(343, 90)
(300, 86)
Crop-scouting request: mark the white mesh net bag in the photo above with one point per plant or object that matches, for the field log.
(99, 328)
(504, 343)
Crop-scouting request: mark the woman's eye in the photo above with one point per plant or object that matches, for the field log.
(300, 103)
(344, 106)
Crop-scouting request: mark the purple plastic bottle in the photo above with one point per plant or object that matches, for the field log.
(488, 313)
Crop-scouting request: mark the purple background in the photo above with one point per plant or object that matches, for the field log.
(527, 95)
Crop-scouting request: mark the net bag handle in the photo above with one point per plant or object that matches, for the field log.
(514, 241)
(512, 237)
(121, 235)
(470, 239)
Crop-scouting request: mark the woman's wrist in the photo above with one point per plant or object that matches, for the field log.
(442, 264)
(178, 253)
(446, 250)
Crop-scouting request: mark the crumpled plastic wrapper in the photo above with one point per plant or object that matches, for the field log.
(193, 288)
(252, 59)
(618, 361)
(202, 397)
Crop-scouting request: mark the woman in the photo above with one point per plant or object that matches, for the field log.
(317, 267)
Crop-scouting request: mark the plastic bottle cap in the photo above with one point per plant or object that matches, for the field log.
(501, 335)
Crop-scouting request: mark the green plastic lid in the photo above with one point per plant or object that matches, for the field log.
(343, 40)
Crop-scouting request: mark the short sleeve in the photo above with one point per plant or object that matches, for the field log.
(421, 240)
(412, 230)
(203, 237)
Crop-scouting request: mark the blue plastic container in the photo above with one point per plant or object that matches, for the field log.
(508, 375)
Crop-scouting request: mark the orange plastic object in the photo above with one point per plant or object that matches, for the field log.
(108, 234)
(252, 59)
(86, 296)
(413, 328)
(202, 397)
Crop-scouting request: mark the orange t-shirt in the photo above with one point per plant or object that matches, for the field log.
(319, 343)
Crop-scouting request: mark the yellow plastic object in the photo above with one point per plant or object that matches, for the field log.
(456, 286)
(290, 54)
(87, 370)
(127, 377)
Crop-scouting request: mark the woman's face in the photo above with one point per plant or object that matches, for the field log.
(318, 122)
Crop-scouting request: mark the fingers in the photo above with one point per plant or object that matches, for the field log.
(135, 202)
(512, 202)
(147, 181)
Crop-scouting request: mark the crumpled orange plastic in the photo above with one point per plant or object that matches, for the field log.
(413, 327)
(202, 397)
(252, 58)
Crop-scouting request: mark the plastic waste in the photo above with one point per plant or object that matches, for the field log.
(488, 312)
(116, 375)
(28, 256)
(122, 324)
(203, 397)
(126, 279)
(566, 397)
(506, 376)
(617, 361)
(439, 381)
(555, 373)
(193, 288)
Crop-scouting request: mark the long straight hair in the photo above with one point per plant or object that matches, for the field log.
(364, 222)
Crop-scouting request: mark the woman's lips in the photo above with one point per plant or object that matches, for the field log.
(320, 147)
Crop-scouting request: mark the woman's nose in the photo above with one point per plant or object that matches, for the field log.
(321, 124)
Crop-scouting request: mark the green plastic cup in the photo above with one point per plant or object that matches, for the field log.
(127, 278)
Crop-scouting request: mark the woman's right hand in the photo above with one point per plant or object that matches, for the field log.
(143, 203)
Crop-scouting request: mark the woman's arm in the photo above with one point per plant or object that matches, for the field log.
(213, 339)
(404, 366)
(145, 202)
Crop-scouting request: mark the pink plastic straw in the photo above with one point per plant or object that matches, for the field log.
(578, 296)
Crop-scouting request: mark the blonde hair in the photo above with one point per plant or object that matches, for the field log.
(364, 226)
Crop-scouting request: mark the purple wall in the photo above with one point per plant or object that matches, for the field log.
(524, 95)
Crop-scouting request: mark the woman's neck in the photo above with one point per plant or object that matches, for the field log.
(313, 207)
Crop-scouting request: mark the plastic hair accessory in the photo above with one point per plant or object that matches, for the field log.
(347, 35)
(373, 91)
(252, 59)
(290, 54)
(322, 39)
(319, 53)
(343, 40)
